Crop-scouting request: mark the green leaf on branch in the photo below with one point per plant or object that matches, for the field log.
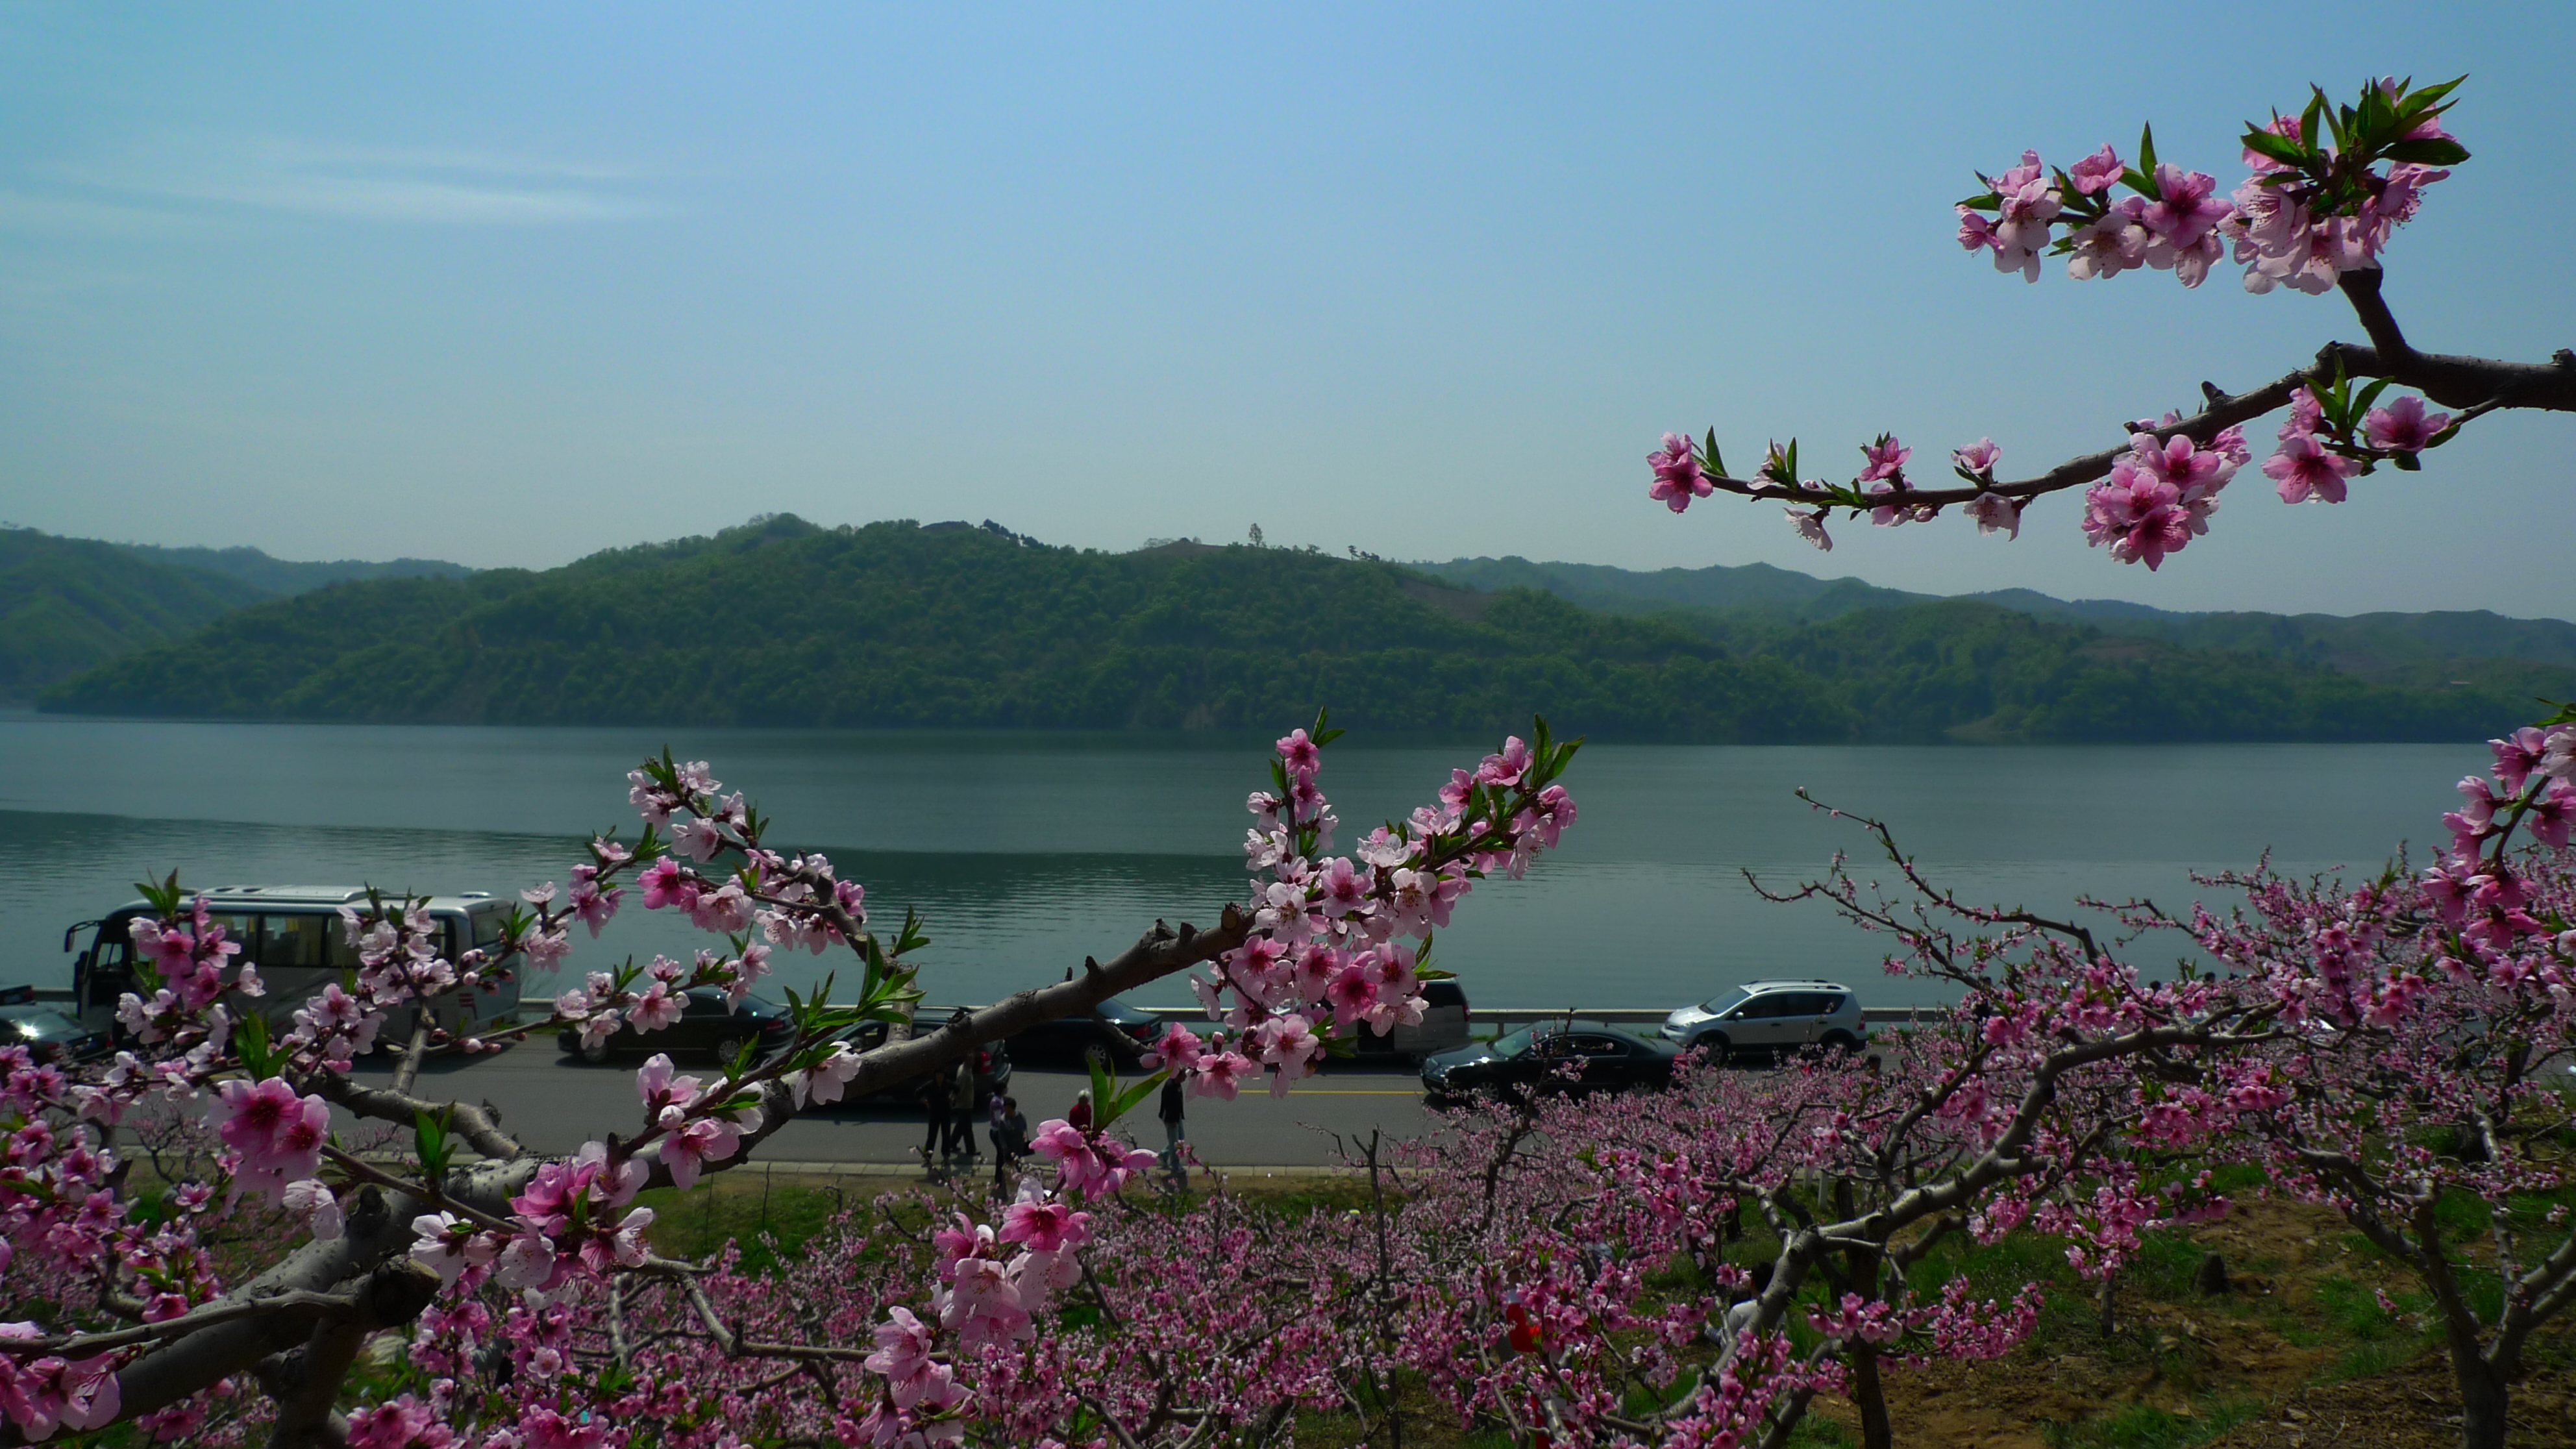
(2420, 100)
(250, 1043)
(2147, 150)
(1106, 1110)
(429, 1140)
(164, 895)
(2284, 149)
(2428, 151)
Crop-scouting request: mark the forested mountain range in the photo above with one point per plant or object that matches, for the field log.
(2429, 649)
(784, 623)
(70, 604)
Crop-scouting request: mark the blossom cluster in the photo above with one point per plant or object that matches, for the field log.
(2160, 495)
(1331, 953)
(2315, 206)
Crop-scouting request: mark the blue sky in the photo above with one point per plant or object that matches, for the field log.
(507, 287)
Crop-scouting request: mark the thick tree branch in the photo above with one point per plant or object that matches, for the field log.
(393, 1104)
(1160, 953)
(2478, 385)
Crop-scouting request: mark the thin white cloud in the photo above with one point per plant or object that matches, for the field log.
(401, 199)
(35, 213)
(413, 185)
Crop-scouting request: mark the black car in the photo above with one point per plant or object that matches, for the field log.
(1114, 1034)
(1535, 1058)
(992, 1067)
(49, 1035)
(708, 1023)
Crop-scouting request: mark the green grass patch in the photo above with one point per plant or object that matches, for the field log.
(2144, 1426)
(770, 1216)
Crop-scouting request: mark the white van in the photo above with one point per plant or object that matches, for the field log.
(1445, 1023)
(293, 934)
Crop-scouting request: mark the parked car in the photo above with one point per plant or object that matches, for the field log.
(1444, 1027)
(1114, 1034)
(992, 1067)
(1766, 1020)
(708, 1023)
(49, 1035)
(1533, 1060)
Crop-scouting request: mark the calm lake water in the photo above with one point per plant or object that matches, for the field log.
(1025, 852)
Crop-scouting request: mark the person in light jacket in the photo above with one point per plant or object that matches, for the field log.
(961, 1111)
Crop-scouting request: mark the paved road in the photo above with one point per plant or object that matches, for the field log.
(553, 1104)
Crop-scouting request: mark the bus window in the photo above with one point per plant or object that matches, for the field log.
(244, 929)
(293, 941)
(337, 953)
(487, 930)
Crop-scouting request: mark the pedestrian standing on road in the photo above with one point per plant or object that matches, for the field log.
(935, 1110)
(961, 1111)
(1010, 1141)
(1172, 1113)
(1080, 1117)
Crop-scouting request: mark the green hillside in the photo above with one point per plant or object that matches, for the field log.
(289, 576)
(67, 604)
(1754, 587)
(783, 623)
(2437, 651)
(70, 604)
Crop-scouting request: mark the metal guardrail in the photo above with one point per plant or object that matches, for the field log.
(1616, 1015)
(1501, 1016)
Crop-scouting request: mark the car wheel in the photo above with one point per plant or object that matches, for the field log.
(1714, 1049)
(1838, 1041)
(1096, 1054)
(730, 1047)
(593, 1052)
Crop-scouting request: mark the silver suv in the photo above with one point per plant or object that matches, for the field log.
(1768, 1020)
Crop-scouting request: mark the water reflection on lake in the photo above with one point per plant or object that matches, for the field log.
(1025, 852)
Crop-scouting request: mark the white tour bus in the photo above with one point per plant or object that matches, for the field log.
(294, 935)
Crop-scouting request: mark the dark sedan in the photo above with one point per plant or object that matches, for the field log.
(992, 1067)
(707, 1024)
(1114, 1034)
(1551, 1056)
(47, 1034)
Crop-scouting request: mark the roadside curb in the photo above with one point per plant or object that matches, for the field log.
(914, 1170)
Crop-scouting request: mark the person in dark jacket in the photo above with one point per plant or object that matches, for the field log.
(1172, 1112)
(1010, 1140)
(935, 1109)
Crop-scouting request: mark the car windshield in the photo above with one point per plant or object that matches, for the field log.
(1513, 1044)
(1719, 1004)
